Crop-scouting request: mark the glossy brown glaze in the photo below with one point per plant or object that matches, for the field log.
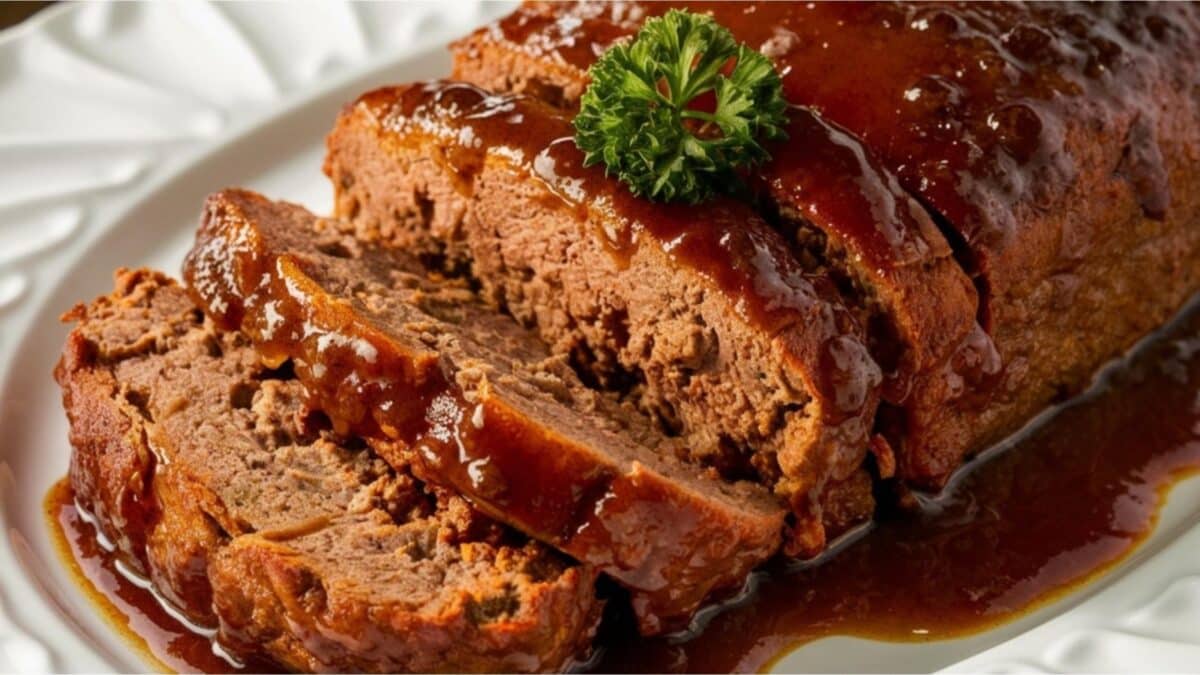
(822, 179)
(1063, 504)
(967, 102)
(826, 173)
(726, 241)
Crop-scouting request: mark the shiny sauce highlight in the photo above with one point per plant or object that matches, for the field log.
(969, 103)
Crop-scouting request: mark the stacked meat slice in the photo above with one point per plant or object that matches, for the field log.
(409, 437)
(478, 404)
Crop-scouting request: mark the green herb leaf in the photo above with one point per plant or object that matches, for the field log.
(639, 116)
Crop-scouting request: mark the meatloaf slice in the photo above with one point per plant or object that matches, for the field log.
(244, 511)
(479, 404)
(753, 360)
(837, 205)
(1055, 143)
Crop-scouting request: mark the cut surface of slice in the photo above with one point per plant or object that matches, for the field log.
(478, 404)
(247, 513)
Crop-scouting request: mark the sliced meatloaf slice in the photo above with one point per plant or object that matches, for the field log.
(479, 404)
(246, 512)
(728, 340)
(838, 206)
(1055, 143)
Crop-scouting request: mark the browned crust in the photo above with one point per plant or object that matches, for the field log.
(268, 593)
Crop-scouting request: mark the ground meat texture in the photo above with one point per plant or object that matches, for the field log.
(1055, 145)
(701, 314)
(249, 514)
(479, 404)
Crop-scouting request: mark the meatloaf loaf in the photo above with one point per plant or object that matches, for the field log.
(725, 337)
(1056, 145)
(244, 510)
(479, 404)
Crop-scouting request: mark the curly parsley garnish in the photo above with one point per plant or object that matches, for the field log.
(673, 113)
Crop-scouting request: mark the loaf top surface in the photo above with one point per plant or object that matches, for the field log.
(971, 104)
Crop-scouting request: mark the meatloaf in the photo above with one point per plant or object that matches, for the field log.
(1056, 146)
(701, 313)
(247, 512)
(479, 404)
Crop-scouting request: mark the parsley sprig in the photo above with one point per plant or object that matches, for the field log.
(639, 116)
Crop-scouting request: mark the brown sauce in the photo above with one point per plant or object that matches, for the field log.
(1068, 500)
(837, 185)
(121, 597)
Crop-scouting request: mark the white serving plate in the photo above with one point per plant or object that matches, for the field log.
(116, 120)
